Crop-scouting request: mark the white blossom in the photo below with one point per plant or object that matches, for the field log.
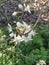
(24, 26)
(25, 32)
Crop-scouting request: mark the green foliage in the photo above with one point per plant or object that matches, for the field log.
(28, 53)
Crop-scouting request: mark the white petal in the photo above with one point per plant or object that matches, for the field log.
(29, 11)
(14, 38)
(26, 31)
(24, 38)
(24, 5)
(9, 28)
(25, 25)
(20, 6)
(11, 34)
(27, 8)
(19, 24)
(9, 25)
(32, 33)
(14, 13)
(19, 38)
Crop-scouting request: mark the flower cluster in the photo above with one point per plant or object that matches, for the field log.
(23, 7)
(24, 32)
(41, 62)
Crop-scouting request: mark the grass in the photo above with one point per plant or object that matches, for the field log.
(5, 55)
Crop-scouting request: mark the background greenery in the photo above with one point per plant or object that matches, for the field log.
(25, 53)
